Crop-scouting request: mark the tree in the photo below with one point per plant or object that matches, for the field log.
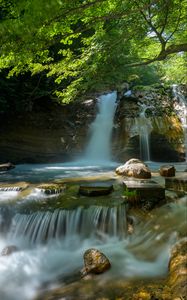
(80, 43)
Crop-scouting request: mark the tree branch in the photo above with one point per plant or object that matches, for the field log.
(162, 55)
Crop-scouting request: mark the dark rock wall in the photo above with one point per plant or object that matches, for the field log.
(58, 133)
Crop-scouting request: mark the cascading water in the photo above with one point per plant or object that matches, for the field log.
(41, 226)
(52, 240)
(143, 126)
(98, 149)
(68, 234)
(181, 108)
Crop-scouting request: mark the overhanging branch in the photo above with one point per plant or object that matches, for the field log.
(162, 55)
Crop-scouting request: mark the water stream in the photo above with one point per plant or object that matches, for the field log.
(98, 149)
(143, 126)
(52, 240)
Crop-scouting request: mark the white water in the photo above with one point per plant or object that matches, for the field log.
(143, 126)
(70, 233)
(144, 254)
(40, 226)
(99, 148)
(181, 108)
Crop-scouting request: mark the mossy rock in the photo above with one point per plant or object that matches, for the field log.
(52, 189)
(91, 189)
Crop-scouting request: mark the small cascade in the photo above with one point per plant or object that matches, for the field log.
(181, 108)
(5, 218)
(96, 220)
(11, 189)
(53, 191)
(143, 126)
(98, 149)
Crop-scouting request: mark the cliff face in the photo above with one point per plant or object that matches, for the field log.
(55, 133)
(150, 110)
(51, 133)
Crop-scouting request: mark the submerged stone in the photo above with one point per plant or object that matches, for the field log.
(9, 250)
(143, 192)
(167, 171)
(176, 184)
(134, 168)
(95, 189)
(95, 262)
(7, 166)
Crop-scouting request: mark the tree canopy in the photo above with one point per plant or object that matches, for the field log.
(82, 44)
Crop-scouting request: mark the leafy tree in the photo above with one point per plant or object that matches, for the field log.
(81, 43)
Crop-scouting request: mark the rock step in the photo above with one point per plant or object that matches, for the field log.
(10, 189)
(16, 187)
(143, 191)
(51, 189)
(95, 189)
(176, 184)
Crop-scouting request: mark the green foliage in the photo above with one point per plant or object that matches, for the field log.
(18, 94)
(173, 69)
(88, 45)
(131, 195)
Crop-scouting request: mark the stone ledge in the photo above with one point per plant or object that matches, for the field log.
(143, 192)
(95, 189)
(176, 184)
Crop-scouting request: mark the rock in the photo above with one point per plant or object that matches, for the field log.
(51, 189)
(7, 166)
(143, 193)
(95, 262)
(17, 186)
(9, 250)
(167, 171)
(176, 184)
(134, 168)
(178, 270)
(95, 189)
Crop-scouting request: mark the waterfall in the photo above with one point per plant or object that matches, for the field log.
(98, 149)
(143, 126)
(40, 226)
(181, 108)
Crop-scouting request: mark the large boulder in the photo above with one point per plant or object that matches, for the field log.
(95, 262)
(178, 270)
(134, 168)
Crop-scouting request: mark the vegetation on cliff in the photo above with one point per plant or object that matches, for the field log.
(67, 48)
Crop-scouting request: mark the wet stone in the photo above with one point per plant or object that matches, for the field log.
(6, 167)
(52, 189)
(95, 262)
(95, 189)
(178, 270)
(9, 250)
(176, 184)
(167, 171)
(134, 168)
(145, 193)
(17, 187)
